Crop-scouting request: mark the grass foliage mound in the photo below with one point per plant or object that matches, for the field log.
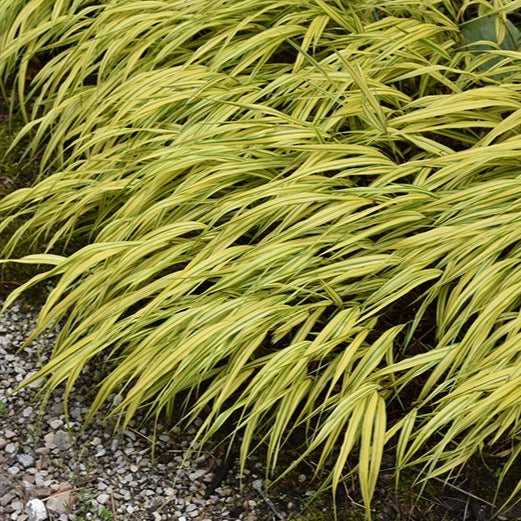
(297, 215)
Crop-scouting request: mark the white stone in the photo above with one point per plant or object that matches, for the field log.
(197, 474)
(35, 509)
(102, 498)
(56, 424)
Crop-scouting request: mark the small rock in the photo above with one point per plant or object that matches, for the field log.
(6, 484)
(40, 480)
(41, 492)
(26, 460)
(35, 384)
(5, 342)
(75, 412)
(49, 440)
(56, 409)
(28, 481)
(35, 509)
(60, 503)
(56, 423)
(60, 487)
(102, 498)
(10, 448)
(62, 440)
(7, 498)
(197, 474)
(129, 434)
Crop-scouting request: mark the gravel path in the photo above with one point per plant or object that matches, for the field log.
(50, 470)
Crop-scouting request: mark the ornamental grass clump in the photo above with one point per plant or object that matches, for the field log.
(266, 206)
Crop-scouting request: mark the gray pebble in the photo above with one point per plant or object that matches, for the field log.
(25, 459)
(102, 498)
(5, 342)
(56, 423)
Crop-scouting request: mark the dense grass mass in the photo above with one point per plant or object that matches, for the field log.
(270, 203)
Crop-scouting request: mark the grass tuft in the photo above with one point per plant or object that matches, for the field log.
(251, 209)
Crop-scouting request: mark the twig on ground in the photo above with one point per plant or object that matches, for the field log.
(257, 485)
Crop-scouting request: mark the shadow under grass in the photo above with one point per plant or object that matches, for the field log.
(17, 170)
